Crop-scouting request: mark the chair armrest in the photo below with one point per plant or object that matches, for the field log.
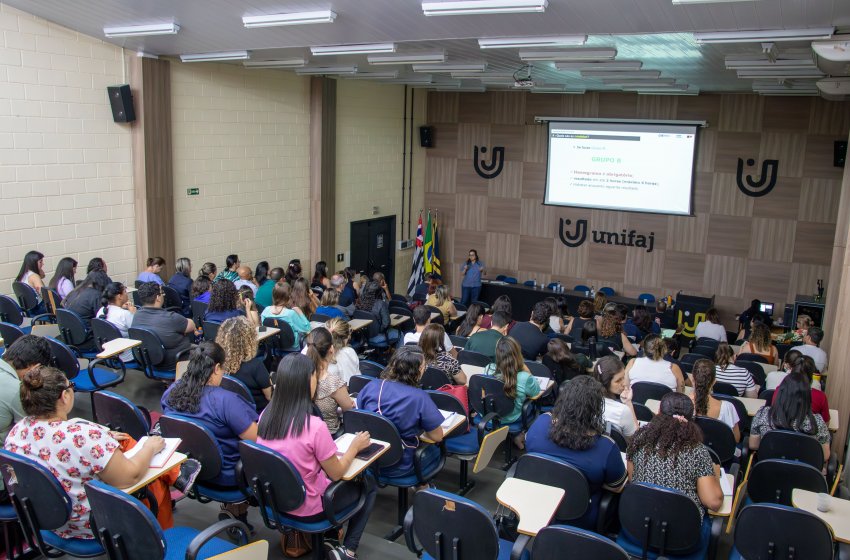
(409, 538)
(180, 355)
(43, 318)
(607, 508)
(519, 547)
(207, 534)
(481, 426)
(716, 530)
(417, 460)
(329, 497)
(529, 414)
(90, 371)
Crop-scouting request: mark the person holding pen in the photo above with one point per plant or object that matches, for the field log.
(472, 271)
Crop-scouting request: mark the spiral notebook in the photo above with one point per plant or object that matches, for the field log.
(160, 459)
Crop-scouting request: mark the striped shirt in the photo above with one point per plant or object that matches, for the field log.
(737, 376)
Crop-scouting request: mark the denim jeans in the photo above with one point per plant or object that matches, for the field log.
(468, 295)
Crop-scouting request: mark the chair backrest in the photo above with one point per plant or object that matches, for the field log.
(755, 369)
(794, 446)
(198, 442)
(438, 319)
(556, 472)
(26, 294)
(273, 480)
(370, 368)
(744, 419)
(649, 298)
(750, 357)
(41, 502)
(357, 382)
(645, 390)
(458, 341)
(374, 328)
(379, 428)
(10, 333)
(172, 298)
(607, 291)
(767, 395)
(199, 309)
(234, 385)
(120, 414)
(619, 437)
(487, 394)
(319, 318)
(691, 358)
(72, 327)
(51, 299)
(552, 542)
(704, 351)
(125, 527)
(718, 437)
(63, 359)
(777, 531)
(10, 311)
(642, 412)
(450, 403)
(705, 341)
(530, 283)
(473, 358)
(723, 388)
(581, 288)
(509, 280)
(433, 378)
(151, 352)
(538, 369)
(450, 526)
(773, 480)
(660, 519)
(399, 297)
(460, 307)
(103, 332)
(285, 339)
(211, 330)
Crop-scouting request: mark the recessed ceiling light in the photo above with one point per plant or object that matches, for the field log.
(570, 54)
(283, 63)
(216, 56)
(660, 87)
(417, 58)
(612, 65)
(325, 70)
(471, 67)
(141, 30)
(480, 7)
(294, 18)
(353, 49)
(768, 35)
(651, 74)
(520, 42)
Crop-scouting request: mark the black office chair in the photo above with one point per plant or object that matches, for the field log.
(663, 521)
(767, 395)
(756, 371)
(538, 369)
(319, 318)
(357, 382)
(552, 542)
(407, 326)
(744, 418)
(777, 531)
(121, 414)
(104, 331)
(451, 526)
(284, 341)
(11, 312)
(619, 437)
(211, 330)
(42, 505)
(723, 388)
(10, 333)
(691, 358)
(278, 488)
(774, 480)
(234, 385)
(458, 341)
(94, 379)
(643, 391)
(75, 333)
(710, 342)
(750, 357)
(794, 446)
(473, 358)
(487, 395)
(642, 412)
(51, 299)
(27, 298)
(399, 297)
(438, 319)
(199, 309)
(704, 351)
(370, 368)
(151, 354)
(434, 378)
(719, 438)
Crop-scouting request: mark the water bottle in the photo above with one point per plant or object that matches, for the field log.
(592, 291)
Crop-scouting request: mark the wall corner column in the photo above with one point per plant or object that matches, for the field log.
(322, 169)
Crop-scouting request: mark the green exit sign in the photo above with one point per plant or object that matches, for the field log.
(193, 191)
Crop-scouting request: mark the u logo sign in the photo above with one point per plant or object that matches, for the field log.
(492, 169)
(756, 188)
(573, 239)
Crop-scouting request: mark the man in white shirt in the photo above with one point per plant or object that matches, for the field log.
(422, 318)
(811, 348)
(246, 278)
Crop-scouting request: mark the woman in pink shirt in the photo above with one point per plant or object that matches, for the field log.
(289, 427)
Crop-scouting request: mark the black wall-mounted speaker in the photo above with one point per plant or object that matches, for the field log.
(121, 101)
(426, 136)
(839, 156)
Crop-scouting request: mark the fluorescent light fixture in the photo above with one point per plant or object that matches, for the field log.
(785, 60)
(420, 58)
(656, 87)
(140, 30)
(649, 74)
(449, 84)
(325, 70)
(480, 7)
(215, 56)
(496, 80)
(282, 63)
(471, 67)
(780, 73)
(613, 65)
(769, 35)
(412, 80)
(569, 54)
(522, 42)
(836, 51)
(373, 76)
(480, 76)
(471, 89)
(294, 18)
(557, 90)
(789, 93)
(680, 2)
(353, 49)
(634, 82)
(660, 92)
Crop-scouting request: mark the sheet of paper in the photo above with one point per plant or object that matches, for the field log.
(448, 418)
(726, 483)
(343, 442)
(160, 459)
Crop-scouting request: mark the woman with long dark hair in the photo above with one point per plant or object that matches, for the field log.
(231, 265)
(84, 300)
(293, 271)
(563, 364)
(320, 281)
(502, 303)
(303, 297)
(585, 313)
(436, 355)
(574, 431)
(289, 427)
(760, 344)
(669, 452)
(63, 280)
(471, 323)
(261, 273)
(806, 365)
(704, 378)
(619, 410)
(32, 274)
(331, 391)
(283, 309)
(640, 324)
(153, 268)
(226, 302)
(118, 310)
(519, 383)
(728, 372)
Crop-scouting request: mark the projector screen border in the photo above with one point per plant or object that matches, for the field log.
(547, 120)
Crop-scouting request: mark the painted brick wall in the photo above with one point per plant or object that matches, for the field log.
(65, 166)
(241, 137)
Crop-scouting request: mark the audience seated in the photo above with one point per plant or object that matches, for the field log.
(640, 324)
(574, 432)
(181, 281)
(118, 310)
(471, 323)
(600, 301)
(23, 355)
(530, 335)
(619, 410)
(232, 263)
(750, 314)
(712, 327)
(442, 301)
(85, 299)
(32, 274)
(281, 309)
(436, 356)
(653, 368)
(397, 397)
(348, 294)
(331, 392)
(502, 303)
(226, 302)
(371, 300)
(382, 282)
(759, 343)
(99, 265)
(611, 334)
(330, 305)
(669, 452)
(804, 323)
(320, 281)
(704, 377)
(344, 362)
(774, 378)
(585, 313)
(520, 385)
(728, 372)
(563, 364)
(293, 271)
(345, 303)
(152, 270)
(175, 331)
(201, 287)
(811, 348)
(806, 366)
(484, 342)
(424, 288)
(303, 297)
(63, 280)
(246, 278)
(791, 410)
(238, 338)
(261, 273)
(289, 427)
(422, 318)
(263, 297)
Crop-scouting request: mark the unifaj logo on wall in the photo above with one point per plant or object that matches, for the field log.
(755, 188)
(491, 169)
(626, 238)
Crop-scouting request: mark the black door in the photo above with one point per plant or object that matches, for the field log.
(373, 247)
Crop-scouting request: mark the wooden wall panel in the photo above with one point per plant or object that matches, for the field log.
(509, 182)
(741, 113)
(783, 202)
(503, 215)
(471, 212)
(440, 175)
(512, 137)
(814, 243)
(819, 199)
(773, 240)
(787, 113)
(507, 109)
(729, 235)
(443, 107)
(724, 275)
(536, 143)
(787, 147)
(535, 254)
(727, 199)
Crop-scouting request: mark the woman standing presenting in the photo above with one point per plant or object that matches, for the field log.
(472, 271)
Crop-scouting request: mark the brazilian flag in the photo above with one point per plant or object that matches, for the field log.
(429, 245)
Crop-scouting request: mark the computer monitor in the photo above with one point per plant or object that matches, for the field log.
(766, 308)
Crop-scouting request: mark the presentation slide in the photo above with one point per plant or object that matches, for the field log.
(636, 167)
